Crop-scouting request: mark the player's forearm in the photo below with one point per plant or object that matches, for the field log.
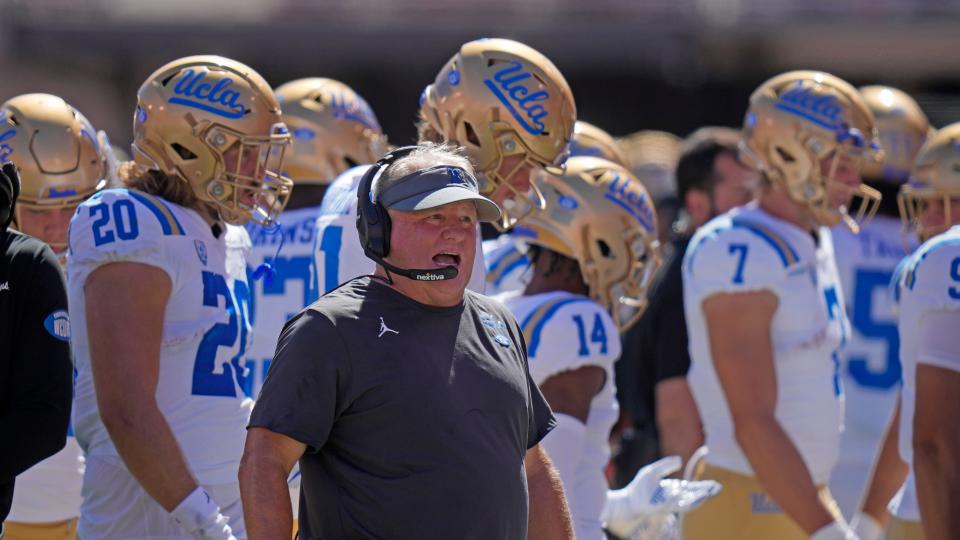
(680, 436)
(151, 453)
(780, 469)
(267, 513)
(889, 473)
(549, 515)
(938, 486)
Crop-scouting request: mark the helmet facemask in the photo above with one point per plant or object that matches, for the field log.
(913, 201)
(625, 298)
(795, 164)
(242, 191)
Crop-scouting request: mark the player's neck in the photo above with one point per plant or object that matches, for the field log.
(558, 279)
(778, 204)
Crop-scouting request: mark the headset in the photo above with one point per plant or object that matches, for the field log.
(9, 191)
(373, 223)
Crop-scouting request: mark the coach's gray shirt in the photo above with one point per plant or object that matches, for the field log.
(416, 418)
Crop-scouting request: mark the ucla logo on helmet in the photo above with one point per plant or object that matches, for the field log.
(193, 89)
(353, 108)
(823, 110)
(636, 203)
(508, 85)
(6, 149)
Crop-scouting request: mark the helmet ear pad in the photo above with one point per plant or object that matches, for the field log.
(373, 221)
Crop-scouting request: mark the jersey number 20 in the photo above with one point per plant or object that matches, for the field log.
(206, 380)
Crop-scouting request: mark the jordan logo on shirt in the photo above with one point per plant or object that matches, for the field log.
(384, 329)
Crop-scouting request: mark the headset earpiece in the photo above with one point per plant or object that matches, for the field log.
(373, 221)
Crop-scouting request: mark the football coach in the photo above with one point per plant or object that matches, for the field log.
(405, 398)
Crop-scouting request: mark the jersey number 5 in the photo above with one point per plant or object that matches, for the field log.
(206, 380)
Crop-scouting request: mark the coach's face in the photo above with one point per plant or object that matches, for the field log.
(435, 238)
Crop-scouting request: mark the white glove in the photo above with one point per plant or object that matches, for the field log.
(835, 531)
(866, 527)
(649, 493)
(656, 527)
(201, 517)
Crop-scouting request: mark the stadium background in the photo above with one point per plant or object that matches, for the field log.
(671, 65)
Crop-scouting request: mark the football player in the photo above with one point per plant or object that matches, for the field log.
(764, 311)
(511, 110)
(61, 163)
(926, 288)
(869, 362)
(507, 265)
(160, 303)
(593, 251)
(332, 129)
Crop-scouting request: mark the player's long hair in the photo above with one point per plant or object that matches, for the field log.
(168, 188)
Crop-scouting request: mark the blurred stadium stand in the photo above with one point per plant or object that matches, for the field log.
(671, 65)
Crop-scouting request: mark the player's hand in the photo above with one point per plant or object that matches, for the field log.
(201, 517)
(650, 493)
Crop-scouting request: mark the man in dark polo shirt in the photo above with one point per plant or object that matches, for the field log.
(36, 374)
(406, 398)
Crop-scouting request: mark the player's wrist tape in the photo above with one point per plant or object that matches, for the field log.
(196, 511)
(865, 527)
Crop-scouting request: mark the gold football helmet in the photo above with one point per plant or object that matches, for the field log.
(499, 98)
(599, 214)
(194, 111)
(589, 140)
(935, 179)
(56, 149)
(800, 118)
(903, 129)
(332, 128)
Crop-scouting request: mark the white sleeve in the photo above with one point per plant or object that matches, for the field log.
(571, 333)
(121, 226)
(939, 340)
(734, 260)
(565, 445)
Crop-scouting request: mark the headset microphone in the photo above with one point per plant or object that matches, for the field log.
(437, 274)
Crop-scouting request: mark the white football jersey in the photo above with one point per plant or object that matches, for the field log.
(564, 332)
(206, 328)
(746, 250)
(869, 362)
(281, 296)
(507, 266)
(929, 281)
(338, 256)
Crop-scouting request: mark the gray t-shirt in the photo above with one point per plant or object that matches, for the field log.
(416, 418)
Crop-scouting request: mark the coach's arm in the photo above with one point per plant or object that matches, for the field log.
(549, 516)
(268, 458)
